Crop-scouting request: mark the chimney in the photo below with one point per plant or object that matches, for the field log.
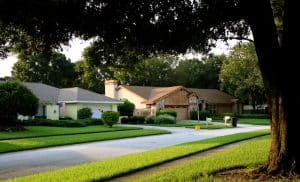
(111, 88)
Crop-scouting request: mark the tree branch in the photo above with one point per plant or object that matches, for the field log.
(237, 38)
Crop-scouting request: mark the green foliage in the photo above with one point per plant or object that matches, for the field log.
(150, 119)
(254, 116)
(194, 115)
(41, 142)
(42, 131)
(167, 111)
(127, 108)
(203, 114)
(84, 113)
(240, 75)
(110, 118)
(125, 164)
(49, 122)
(165, 119)
(49, 68)
(16, 99)
(133, 120)
(249, 154)
(197, 73)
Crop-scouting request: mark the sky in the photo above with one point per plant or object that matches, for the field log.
(74, 52)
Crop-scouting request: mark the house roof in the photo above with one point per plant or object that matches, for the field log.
(152, 94)
(77, 94)
(49, 94)
(214, 96)
(45, 93)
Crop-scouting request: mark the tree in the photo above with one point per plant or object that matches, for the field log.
(127, 108)
(240, 75)
(199, 73)
(175, 26)
(15, 99)
(54, 69)
(148, 71)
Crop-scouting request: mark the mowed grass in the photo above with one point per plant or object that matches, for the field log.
(106, 169)
(41, 142)
(38, 131)
(248, 155)
(191, 124)
(254, 121)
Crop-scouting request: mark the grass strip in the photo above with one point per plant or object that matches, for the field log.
(39, 131)
(249, 155)
(191, 124)
(41, 142)
(249, 121)
(107, 169)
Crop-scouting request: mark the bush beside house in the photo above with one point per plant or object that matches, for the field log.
(127, 108)
(84, 113)
(110, 118)
(168, 112)
(15, 99)
(165, 119)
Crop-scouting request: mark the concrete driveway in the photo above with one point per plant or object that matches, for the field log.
(33, 161)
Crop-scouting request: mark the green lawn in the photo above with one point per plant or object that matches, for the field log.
(41, 142)
(249, 155)
(38, 131)
(249, 121)
(191, 124)
(106, 169)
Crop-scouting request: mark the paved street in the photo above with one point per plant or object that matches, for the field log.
(33, 161)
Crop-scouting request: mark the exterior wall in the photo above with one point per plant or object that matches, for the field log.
(52, 112)
(223, 108)
(110, 88)
(72, 109)
(123, 93)
(178, 98)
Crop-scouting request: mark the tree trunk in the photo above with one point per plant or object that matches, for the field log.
(278, 71)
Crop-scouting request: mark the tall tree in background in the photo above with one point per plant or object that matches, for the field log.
(178, 25)
(53, 69)
(151, 71)
(240, 75)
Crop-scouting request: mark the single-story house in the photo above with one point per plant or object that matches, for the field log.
(178, 98)
(65, 102)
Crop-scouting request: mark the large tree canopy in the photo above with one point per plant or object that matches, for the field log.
(178, 25)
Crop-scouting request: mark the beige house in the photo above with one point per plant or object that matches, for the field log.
(56, 103)
(177, 98)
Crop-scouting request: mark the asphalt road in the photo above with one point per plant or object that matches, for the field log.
(33, 161)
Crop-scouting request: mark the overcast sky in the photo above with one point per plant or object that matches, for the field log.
(74, 52)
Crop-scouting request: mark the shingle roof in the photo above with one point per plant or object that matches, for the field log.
(77, 94)
(214, 96)
(45, 93)
(151, 94)
(49, 94)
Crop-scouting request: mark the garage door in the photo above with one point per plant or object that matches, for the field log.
(182, 112)
(96, 112)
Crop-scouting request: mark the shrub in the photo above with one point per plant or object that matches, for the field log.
(61, 123)
(194, 115)
(84, 113)
(133, 120)
(127, 108)
(93, 121)
(150, 119)
(203, 114)
(110, 118)
(167, 111)
(165, 119)
(16, 99)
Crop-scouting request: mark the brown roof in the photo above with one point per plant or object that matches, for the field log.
(214, 96)
(152, 94)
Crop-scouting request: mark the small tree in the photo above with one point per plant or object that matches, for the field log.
(15, 99)
(84, 113)
(127, 108)
(110, 118)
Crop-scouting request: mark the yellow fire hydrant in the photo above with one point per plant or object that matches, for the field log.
(197, 127)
